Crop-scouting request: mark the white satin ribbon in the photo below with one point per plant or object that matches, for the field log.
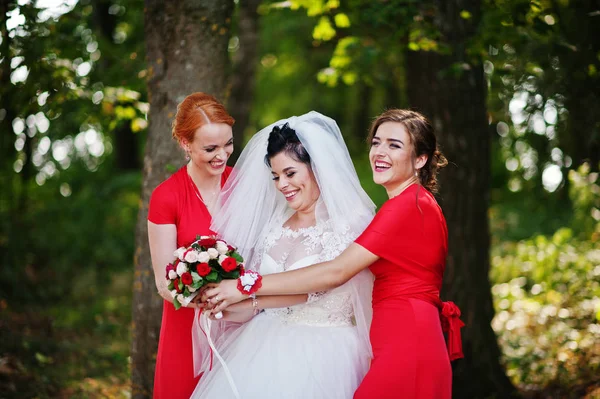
(206, 322)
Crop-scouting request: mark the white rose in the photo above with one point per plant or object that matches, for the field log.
(222, 247)
(179, 252)
(203, 257)
(191, 289)
(172, 275)
(173, 293)
(191, 257)
(248, 279)
(181, 268)
(213, 253)
(222, 258)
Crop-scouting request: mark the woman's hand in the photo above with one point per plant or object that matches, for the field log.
(222, 295)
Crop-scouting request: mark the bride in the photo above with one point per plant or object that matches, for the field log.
(293, 200)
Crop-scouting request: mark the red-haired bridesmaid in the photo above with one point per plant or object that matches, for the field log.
(180, 209)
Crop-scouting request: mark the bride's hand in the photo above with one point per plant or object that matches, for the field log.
(223, 295)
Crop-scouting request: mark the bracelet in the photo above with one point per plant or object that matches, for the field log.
(249, 282)
(255, 309)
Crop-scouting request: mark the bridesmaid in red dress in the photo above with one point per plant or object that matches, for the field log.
(179, 210)
(405, 247)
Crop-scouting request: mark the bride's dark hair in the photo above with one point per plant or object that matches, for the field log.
(284, 139)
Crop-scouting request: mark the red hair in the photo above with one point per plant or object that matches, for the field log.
(195, 111)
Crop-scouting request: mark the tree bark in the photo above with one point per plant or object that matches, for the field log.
(186, 43)
(362, 119)
(125, 141)
(577, 53)
(450, 89)
(243, 79)
(7, 142)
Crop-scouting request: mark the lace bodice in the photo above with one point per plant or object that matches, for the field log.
(286, 249)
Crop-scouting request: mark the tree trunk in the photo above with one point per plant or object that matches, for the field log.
(126, 147)
(125, 141)
(244, 72)
(451, 91)
(186, 43)
(362, 119)
(581, 87)
(7, 144)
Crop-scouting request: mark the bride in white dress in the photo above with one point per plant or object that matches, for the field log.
(293, 200)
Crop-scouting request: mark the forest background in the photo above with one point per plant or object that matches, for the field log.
(88, 90)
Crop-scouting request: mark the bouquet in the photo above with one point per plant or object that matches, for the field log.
(206, 260)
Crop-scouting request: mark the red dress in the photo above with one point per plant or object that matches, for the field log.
(410, 357)
(175, 201)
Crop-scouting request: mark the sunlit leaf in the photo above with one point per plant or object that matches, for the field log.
(464, 14)
(342, 20)
(323, 30)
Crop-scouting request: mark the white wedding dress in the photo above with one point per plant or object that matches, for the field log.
(311, 350)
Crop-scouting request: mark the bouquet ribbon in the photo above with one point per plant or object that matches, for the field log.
(203, 323)
(204, 320)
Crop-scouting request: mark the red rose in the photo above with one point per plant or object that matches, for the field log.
(230, 248)
(203, 269)
(229, 264)
(186, 278)
(207, 242)
(176, 284)
(168, 269)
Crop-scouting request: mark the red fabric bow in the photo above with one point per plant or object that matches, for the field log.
(452, 324)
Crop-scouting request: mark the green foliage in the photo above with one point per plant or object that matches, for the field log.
(547, 299)
(74, 178)
(585, 195)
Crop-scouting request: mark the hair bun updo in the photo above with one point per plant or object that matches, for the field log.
(284, 139)
(195, 111)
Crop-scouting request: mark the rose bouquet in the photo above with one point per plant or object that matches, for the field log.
(206, 260)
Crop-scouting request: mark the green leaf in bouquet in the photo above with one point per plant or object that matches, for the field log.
(197, 284)
(176, 304)
(231, 275)
(237, 257)
(212, 277)
(180, 285)
(196, 277)
(186, 292)
(171, 286)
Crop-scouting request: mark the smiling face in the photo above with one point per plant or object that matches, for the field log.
(296, 181)
(211, 148)
(392, 156)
